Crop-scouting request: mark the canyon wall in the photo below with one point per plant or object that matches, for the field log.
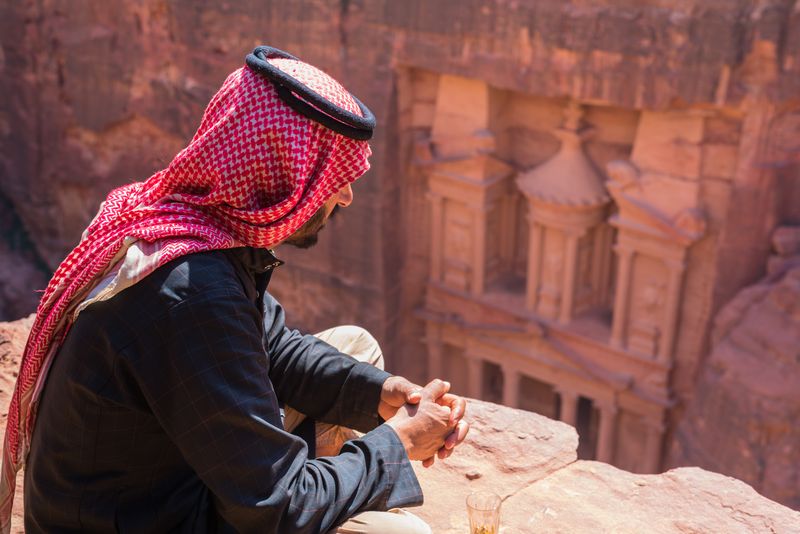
(750, 383)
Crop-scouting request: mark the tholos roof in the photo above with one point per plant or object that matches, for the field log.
(568, 178)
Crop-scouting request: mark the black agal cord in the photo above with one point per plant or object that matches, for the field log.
(308, 102)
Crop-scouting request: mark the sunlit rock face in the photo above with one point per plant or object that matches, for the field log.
(12, 341)
(563, 194)
(530, 462)
(748, 390)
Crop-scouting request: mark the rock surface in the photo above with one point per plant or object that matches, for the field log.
(506, 451)
(13, 336)
(530, 461)
(749, 392)
(20, 272)
(599, 498)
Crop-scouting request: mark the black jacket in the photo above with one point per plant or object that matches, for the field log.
(161, 414)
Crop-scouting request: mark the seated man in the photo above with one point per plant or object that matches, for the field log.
(159, 379)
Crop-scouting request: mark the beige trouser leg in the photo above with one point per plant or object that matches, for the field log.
(359, 344)
(395, 521)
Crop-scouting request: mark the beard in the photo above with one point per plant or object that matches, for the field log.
(307, 235)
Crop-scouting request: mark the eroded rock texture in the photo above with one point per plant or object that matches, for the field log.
(21, 273)
(743, 419)
(530, 462)
(12, 341)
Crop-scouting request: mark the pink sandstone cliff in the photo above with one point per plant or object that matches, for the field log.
(743, 419)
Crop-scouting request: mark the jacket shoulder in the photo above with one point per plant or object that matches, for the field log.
(189, 275)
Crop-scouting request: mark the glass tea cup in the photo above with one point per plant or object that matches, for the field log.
(483, 508)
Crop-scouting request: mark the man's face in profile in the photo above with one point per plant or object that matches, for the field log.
(307, 235)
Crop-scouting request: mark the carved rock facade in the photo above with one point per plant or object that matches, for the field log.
(553, 288)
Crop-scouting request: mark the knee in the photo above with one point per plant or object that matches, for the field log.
(413, 524)
(355, 341)
(351, 331)
(396, 521)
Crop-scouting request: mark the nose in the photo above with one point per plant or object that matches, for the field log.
(345, 196)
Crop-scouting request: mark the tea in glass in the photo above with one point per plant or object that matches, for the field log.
(483, 508)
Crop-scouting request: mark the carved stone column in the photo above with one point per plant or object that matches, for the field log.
(569, 406)
(653, 445)
(607, 433)
(570, 268)
(466, 201)
(534, 262)
(566, 200)
(510, 386)
(435, 351)
(479, 258)
(653, 239)
(437, 227)
(674, 284)
(474, 375)
(467, 187)
(621, 299)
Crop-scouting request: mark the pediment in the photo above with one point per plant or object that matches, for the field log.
(655, 205)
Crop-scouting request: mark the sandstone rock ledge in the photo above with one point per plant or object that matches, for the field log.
(531, 462)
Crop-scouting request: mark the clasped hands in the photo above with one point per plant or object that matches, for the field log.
(428, 420)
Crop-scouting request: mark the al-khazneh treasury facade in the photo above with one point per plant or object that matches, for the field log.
(562, 267)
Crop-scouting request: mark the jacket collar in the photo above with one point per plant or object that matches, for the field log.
(254, 269)
(255, 260)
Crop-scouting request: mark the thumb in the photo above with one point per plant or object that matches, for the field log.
(435, 389)
(412, 392)
(409, 392)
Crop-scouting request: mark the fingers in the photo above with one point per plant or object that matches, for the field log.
(412, 392)
(457, 405)
(457, 435)
(398, 391)
(435, 389)
(453, 439)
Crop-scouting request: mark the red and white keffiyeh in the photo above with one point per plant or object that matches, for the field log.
(254, 172)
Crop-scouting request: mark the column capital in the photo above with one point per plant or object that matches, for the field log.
(607, 432)
(571, 232)
(566, 392)
(471, 355)
(510, 368)
(653, 424)
(675, 265)
(607, 407)
(480, 207)
(624, 250)
(569, 405)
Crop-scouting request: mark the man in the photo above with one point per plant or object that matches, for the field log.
(150, 393)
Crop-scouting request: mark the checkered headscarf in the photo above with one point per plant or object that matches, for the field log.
(254, 172)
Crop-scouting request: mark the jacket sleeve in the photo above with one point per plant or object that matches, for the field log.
(213, 397)
(316, 379)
